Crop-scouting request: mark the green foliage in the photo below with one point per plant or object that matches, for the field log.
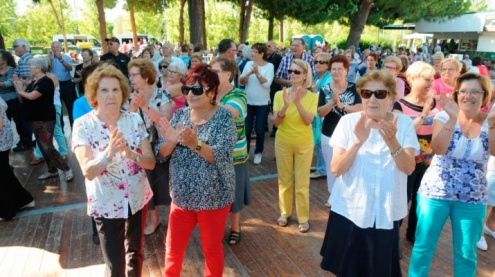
(6, 28)
(149, 6)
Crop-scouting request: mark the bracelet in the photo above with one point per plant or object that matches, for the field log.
(397, 153)
(103, 159)
(343, 108)
(448, 129)
(278, 115)
(422, 117)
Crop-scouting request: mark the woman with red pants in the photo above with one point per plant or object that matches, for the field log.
(200, 139)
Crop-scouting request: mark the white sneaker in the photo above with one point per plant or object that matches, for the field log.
(482, 244)
(257, 158)
(487, 231)
(29, 205)
(69, 175)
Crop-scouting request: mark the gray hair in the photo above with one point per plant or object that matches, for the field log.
(179, 66)
(23, 42)
(246, 51)
(40, 62)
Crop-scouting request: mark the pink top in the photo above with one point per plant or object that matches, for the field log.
(400, 92)
(180, 102)
(440, 87)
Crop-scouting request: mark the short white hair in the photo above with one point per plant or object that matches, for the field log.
(179, 66)
(246, 51)
(23, 42)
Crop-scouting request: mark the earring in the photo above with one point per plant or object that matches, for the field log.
(212, 101)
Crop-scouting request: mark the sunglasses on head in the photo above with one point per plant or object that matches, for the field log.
(162, 67)
(297, 72)
(196, 90)
(379, 94)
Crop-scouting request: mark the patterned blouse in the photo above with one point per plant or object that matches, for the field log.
(6, 135)
(123, 183)
(460, 173)
(195, 183)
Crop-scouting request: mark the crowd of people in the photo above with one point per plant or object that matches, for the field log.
(161, 129)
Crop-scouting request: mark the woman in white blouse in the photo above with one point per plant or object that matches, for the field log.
(113, 150)
(257, 76)
(373, 152)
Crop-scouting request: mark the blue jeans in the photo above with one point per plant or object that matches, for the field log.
(467, 222)
(58, 134)
(258, 115)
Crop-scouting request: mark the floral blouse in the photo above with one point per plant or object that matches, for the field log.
(195, 183)
(6, 135)
(123, 183)
(460, 173)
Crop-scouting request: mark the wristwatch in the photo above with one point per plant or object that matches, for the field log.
(198, 146)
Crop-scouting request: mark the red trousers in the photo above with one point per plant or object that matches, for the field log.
(211, 229)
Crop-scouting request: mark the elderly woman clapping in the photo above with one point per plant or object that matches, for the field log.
(113, 150)
(373, 152)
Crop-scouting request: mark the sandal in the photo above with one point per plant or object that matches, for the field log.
(234, 238)
(282, 221)
(304, 227)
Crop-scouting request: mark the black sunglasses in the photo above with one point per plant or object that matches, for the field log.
(320, 62)
(196, 90)
(297, 72)
(379, 94)
(160, 67)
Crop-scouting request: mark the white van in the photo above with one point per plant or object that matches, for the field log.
(73, 40)
(127, 38)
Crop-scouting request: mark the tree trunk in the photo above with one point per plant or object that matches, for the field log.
(62, 21)
(358, 21)
(281, 30)
(61, 26)
(133, 26)
(246, 8)
(181, 22)
(270, 27)
(102, 25)
(2, 42)
(203, 24)
(196, 21)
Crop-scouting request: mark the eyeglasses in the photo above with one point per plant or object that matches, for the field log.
(337, 69)
(389, 67)
(172, 72)
(472, 92)
(233, 50)
(448, 69)
(320, 62)
(132, 75)
(379, 94)
(297, 72)
(15, 46)
(160, 67)
(196, 90)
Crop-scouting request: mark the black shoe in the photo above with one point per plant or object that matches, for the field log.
(22, 147)
(96, 239)
(272, 134)
(410, 238)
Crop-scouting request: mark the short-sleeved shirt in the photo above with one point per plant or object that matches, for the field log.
(424, 132)
(373, 191)
(6, 135)
(460, 173)
(42, 108)
(7, 91)
(81, 107)
(285, 65)
(23, 69)
(59, 70)
(293, 130)
(123, 183)
(439, 86)
(122, 60)
(258, 94)
(195, 183)
(349, 98)
(237, 99)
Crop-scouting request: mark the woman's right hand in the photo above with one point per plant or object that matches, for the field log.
(168, 132)
(449, 106)
(427, 105)
(116, 141)
(286, 97)
(362, 129)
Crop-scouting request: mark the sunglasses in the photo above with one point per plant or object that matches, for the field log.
(196, 90)
(297, 72)
(160, 67)
(379, 94)
(320, 62)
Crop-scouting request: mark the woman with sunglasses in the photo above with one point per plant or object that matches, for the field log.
(373, 152)
(294, 110)
(200, 140)
(336, 99)
(455, 184)
(163, 72)
(151, 103)
(421, 106)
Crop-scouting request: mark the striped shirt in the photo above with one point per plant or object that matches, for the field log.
(282, 71)
(22, 70)
(236, 98)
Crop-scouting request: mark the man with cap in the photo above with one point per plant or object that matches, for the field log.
(114, 55)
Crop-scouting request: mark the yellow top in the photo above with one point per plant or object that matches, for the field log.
(292, 130)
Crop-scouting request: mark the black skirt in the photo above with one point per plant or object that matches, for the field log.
(348, 250)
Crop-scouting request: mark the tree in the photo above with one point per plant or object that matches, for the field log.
(197, 29)
(246, 8)
(382, 12)
(152, 6)
(6, 21)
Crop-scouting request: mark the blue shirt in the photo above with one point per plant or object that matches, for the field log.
(7, 91)
(81, 107)
(23, 69)
(60, 71)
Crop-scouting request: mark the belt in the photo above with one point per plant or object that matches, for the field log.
(63, 82)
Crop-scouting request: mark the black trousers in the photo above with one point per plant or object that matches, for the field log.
(68, 96)
(13, 195)
(122, 237)
(17, 110)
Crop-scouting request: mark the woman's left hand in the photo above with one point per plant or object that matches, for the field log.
(299, 94)
(388, 129)
(189, 137)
